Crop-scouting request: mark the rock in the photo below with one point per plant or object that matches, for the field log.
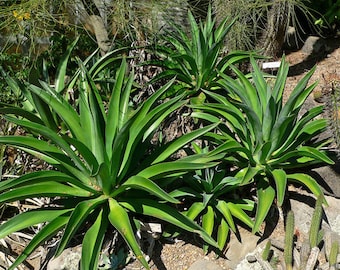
(329, 178)
(329, 238)
(245, 264)
(251, 258)
(314, 44)
(204, 264)
(302, 204)
(239, 250)
(68, 260)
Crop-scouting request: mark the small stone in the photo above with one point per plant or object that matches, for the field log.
(238, 250)
(251, 258)
(68, 260)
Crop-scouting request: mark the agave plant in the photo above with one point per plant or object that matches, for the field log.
(196, 58)
(265, 138)
(210, 196)
(107, 171)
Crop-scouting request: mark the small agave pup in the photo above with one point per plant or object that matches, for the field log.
(105, 169)
(210, 196)
(264, 138)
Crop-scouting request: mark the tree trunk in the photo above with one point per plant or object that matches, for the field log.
(271, 41)
(96, 24)
(98, 27)
(243, 33)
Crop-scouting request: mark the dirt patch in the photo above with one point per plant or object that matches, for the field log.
(326, 60)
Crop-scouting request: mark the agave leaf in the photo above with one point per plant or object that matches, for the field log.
(313, 127)
(19, 88)
(309, 115)
(223, 28)
(233, 57)
(29, 218)
(118, 149)
(53, 136)
(281, 131)
(303, 96)
(265, 196)
(8, 109)
(147, 105)
(103, 178)
(247, 93)
(316, 154)
(280, 179)
(184, 192)
(113, 115)
(226, 184)
(208, 220)
(229, 147)
(219, 98)
(139, 124)
(264, 153)
(260, 85)
(105, 61)
(120, 220)
(168, 214)
(230, 113)
(156, 171)
(48, 231)
(86, 118)
(308, 181)
(223, 207)
(254, 126)
(205, 116)
(44, 111)
(269, 118)
(236, 209)
(47, 189)
(296, 99)
(64, 110)
(247, 174)
(40, 177)
(302, 151)
(96, 116)
(142, 183)
(61, 69)
(42, 149)
(124, 104)
(182, 141)
(79, 214)
(162, 111)
(222, 233)
(302, 124)
(280, 82)
(140, 131)
(194, 210)
(85, 153)
(92, 242)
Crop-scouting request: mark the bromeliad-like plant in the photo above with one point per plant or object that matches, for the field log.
(265, 137)
(106, 170)
(196, 58)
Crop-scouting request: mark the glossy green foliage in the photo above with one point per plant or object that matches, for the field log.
(263, 136)
(210, 195)
(107, 171)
